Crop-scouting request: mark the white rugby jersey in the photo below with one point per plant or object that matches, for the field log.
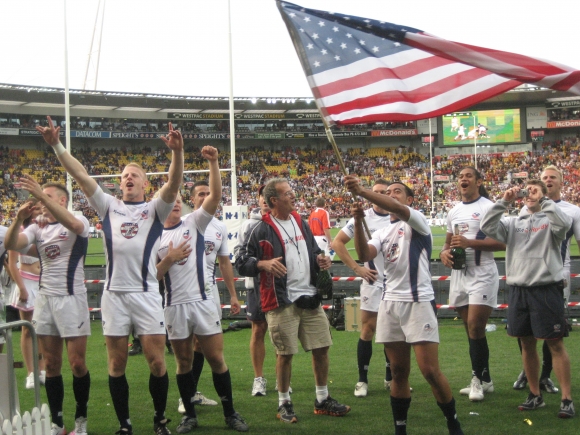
(574, 212)
(216, 243)
(375, 221)
(468, 216)
(184, 281)
(406, 247)
(132, 232)
(62, 255)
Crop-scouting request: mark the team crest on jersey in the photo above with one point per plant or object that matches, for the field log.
(401, 232)
(182, 261)
(63, 235)
(186, 235)
(218, 236)
(129, 229)
(476, 215)
(145, 214)
(393, 253)
(52, 251)
(463, 227)
(209, 247)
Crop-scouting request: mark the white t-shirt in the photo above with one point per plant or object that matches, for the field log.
(216, 243)
(375, 221)
(406, 247)
(62, 255)
(131, 236)
(468, 216)
(185, 280)
(297, 261)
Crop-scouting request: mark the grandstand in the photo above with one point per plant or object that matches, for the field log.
(285, 137)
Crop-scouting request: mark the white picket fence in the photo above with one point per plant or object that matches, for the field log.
(36, 422)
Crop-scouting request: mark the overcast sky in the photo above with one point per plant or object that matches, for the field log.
(181, 46)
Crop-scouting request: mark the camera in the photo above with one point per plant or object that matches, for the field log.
(522, 193)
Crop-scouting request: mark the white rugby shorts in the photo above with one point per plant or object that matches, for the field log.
(198, 317)
(62, 316)
(123, 311)
(370, 297)
(476, 285)
(410, 322)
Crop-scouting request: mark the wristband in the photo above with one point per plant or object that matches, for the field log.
(59, 149)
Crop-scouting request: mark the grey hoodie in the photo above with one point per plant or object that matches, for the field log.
(532, 241)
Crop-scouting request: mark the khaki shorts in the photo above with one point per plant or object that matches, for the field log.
(289, 324)
(410, 322)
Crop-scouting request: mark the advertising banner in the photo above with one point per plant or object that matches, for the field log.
(564, 124)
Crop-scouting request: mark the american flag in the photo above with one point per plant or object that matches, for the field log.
(362, 70)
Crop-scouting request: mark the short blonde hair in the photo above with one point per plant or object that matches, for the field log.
(139, 167)
(555, 169)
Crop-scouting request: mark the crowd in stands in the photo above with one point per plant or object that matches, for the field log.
(188, 127)
(312, 173)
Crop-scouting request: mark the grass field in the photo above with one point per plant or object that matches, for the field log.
(497, 414)
(95, 256)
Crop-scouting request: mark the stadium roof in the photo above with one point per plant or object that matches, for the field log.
(19, 99)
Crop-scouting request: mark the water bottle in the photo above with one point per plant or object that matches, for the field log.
(458, 253)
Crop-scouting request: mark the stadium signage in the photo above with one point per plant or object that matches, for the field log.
(207, 136)
(97, 134)
(339, 134)
(8, 132)
(109, 185)
(564, 124)
(520, 175)
(24, 132)
(242, 116)
(396, 132)
(269, 136)
(559, 104)
(441, 178)
(198, 115)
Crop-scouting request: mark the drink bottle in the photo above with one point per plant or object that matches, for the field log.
(458, 253)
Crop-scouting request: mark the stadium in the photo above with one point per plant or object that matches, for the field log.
(510, 138)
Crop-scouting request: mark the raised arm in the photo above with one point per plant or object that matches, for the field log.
(227, 272)
(70, 164)
(61, 214)
(174, 141)
(210, 204)
(364, 251)
(383, 201)
(14, 239)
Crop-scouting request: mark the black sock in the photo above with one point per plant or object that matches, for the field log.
(197, 366)
(186, 386)
(479, 354)
(119, 389)
(388, 374)
(400, 408)
(546, 361)
(55, 395)
(364, 352)
(451, 416)
(223, 386)
(158, 388)
(81, 388)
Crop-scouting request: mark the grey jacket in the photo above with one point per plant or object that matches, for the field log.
(243, 234)
(532, 241)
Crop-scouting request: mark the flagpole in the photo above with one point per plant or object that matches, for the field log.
(233, 177)
(330, 137)
(431, 159)
(474, 144)
(67, 110)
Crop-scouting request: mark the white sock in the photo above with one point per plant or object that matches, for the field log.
(321, 393)
(283, 397)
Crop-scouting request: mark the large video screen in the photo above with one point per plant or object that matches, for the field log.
(487, 126)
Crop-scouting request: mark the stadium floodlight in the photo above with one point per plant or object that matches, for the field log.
(88, 107)
(44, 104)
(11, 103)
(254, 100)
(139, 109)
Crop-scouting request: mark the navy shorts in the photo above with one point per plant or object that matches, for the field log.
(254, 311)
(537, 311)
